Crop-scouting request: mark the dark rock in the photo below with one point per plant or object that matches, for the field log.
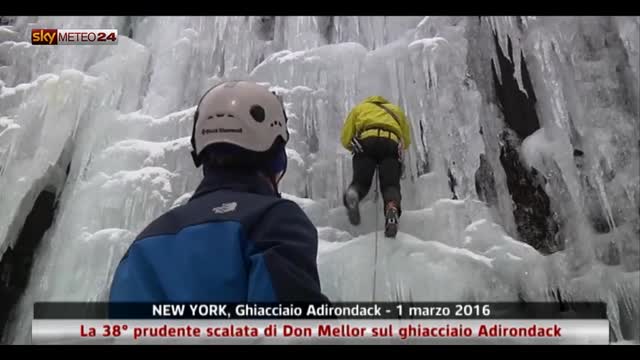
(534, 219)
(423, 165)
(485, 182)
(517, 106)
(7, 20)
(265, 27)
(452, 184)
(16, 262)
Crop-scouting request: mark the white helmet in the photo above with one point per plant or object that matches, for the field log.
(239, 113)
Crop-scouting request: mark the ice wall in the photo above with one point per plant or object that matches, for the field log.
(522, 178)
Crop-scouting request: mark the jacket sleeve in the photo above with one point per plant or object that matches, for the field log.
(406, 131)
(283, 258)
(349, 129)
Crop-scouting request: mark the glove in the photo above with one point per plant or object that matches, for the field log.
(356, 147)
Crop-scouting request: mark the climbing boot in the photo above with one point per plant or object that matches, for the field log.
(391, 220)
(352, 203)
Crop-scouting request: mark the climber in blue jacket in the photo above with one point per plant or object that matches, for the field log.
(236, 239)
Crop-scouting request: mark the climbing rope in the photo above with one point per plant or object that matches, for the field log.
(375, 256)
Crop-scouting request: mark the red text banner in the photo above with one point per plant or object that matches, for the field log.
(321, 331)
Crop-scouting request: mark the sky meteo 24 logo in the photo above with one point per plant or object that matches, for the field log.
(74, 36)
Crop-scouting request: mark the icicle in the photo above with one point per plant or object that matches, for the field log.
(494, 57)
(517, 58)
(605, 203)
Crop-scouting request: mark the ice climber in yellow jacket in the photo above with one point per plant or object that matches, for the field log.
(377, 133)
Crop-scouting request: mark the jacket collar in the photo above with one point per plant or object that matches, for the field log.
(233, 180)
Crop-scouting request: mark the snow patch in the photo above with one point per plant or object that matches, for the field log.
(38, 82)
(431, 43)
(303, 202)
(157, 176)
(183, 199)
(295, 156)
(111, 235)
(536, 147)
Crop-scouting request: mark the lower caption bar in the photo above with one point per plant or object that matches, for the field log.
(320, 332)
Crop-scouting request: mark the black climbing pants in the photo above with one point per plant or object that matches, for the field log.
(383, 153)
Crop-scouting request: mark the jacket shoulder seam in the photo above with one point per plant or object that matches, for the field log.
(169, 233)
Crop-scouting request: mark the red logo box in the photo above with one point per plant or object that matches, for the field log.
(44, 36)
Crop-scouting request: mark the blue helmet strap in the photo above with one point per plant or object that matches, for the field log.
(277, 167)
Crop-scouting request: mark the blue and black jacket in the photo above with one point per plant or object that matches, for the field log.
(235, 240)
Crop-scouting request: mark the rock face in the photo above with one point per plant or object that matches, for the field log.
(532, 209)
(17, 261)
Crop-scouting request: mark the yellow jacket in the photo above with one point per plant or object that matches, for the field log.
(367, 115)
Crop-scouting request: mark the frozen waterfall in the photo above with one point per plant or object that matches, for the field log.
(523, 181)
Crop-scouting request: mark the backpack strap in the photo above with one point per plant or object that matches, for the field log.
(390, 113)
(394, 116)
